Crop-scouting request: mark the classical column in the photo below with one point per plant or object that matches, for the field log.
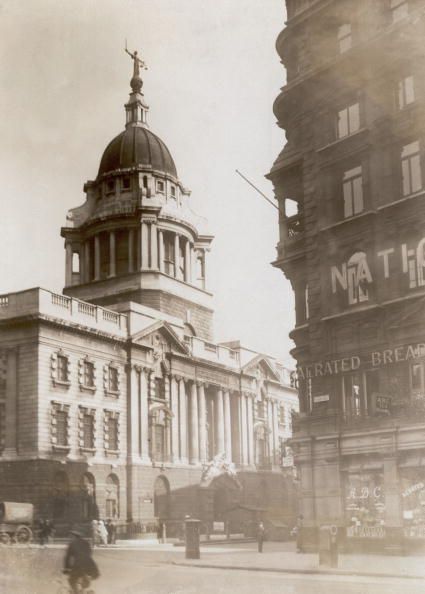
(276, 431)
(161, 250)
(154, 246)
(183, 421)
(144, 246)
(175, 446)
(87, 278)
(131, 250)
(11, 428)
(134, 418)
(68, 264)
(227, 427)
(204, 260)
(176, 256)
(96, 257)
(144, 413)
(81, 254)
(193, 266)
(220, 421)
(112, 254)
(202, 423)
(187, 261)
(270, 426)
(194, 434)
(243, 429)
(250, 428)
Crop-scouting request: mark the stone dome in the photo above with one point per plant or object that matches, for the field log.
(137, 146)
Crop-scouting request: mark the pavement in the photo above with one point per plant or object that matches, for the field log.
(277, 557)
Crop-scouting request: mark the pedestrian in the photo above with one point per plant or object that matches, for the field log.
(300, 534)
(111, 530)
(42, 531)
(160, 532)
(260, 536)
(79, 563)
(94, 532)
(103, 533)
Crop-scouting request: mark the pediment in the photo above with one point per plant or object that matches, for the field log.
(261, 368)
(161, 338)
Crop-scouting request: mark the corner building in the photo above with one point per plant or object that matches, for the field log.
(350, 184)
(114, 399)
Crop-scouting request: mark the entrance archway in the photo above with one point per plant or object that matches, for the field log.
(112, 502)
(89, 510)
(161, 498)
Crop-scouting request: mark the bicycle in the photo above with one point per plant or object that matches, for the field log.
(83, 585)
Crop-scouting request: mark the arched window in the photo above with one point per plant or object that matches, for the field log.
(60, 495)
(112, 502)
(159, 434)
(358, 277)
(260, 433)
(161, 501)
(89, 509)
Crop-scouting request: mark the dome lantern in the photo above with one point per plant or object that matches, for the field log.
(136, 108)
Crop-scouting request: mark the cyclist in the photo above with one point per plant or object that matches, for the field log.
(79, 563)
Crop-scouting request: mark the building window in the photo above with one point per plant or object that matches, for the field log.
(411, 168)
(112, 497)
(417, 378)
(352, 188)
(111, 379)
(159, 434)
(160, 388)
(160, 186)
(282, 415)
(110, 186)
(306, 303)
(345, 40)
(399, 10)
(111, 431)
(348, 120)
(60, 368)
(126, 183)
(260, 445)
(60, 425)
(173, 191)
(89, 374)
(353, 393)
(406, 92)
(88, 431)
(169, 254)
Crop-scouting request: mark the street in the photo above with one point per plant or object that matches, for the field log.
(125, 571)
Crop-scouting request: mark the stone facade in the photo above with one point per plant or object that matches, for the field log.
(350, 186)
(114, 399)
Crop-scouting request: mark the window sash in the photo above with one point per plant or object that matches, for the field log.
(61, 428)
(62, 368)
(88, 374)
(113, 379)
(352, 188)
(345, 37)
(112, 434)
(348, 120)
(406, 92)
(411, 169)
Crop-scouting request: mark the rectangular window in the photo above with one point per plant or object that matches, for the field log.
(353, 392)
(88, 431)
(173, 191)
(160, 388)
(62, 368)
(113, 379)
(352, 188)
(61, 428)
(417, 378)
(306, 303)
(126, 183)
(282, 415)
(88, 374)
(169, 254)
(411, 169)
(110, 186)
(159, 453)
(112, 433)
(348, 120)
(399, 9)
(406, 92)
(345, 39)
(160, 186)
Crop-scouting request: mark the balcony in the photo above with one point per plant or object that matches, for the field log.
(216, 353)
(291, 236)
(54, 305)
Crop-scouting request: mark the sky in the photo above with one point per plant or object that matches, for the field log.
(213, 74)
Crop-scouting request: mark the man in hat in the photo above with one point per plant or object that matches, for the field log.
(79, 563)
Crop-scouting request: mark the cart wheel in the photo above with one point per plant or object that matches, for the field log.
(4, 538)
(23, 534)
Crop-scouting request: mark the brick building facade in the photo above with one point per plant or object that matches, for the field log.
(350, 185)
(114, 399)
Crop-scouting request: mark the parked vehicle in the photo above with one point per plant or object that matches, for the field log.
(16, 521)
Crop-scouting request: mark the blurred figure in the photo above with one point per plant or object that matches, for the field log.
(79, 563)
(103, 533)
(111, 530)
(261, 532)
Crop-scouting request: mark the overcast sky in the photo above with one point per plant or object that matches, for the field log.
(213, 76)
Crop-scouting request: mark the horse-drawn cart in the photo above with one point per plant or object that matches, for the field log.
(15, 522)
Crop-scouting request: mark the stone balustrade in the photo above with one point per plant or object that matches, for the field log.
(40, 301)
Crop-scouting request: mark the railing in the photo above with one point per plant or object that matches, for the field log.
(295, 226)
(41, 301)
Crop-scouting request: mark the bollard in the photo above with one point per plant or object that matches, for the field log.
(192, 532)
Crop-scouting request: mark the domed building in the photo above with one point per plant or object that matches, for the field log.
(115, 400)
